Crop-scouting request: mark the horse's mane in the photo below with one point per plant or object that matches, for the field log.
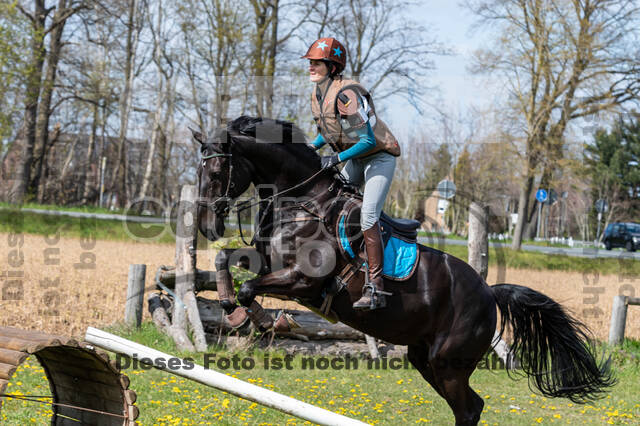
(278, 132)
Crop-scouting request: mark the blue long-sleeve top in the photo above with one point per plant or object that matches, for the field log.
(366, 143)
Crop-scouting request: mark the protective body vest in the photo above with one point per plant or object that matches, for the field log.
(336, 121)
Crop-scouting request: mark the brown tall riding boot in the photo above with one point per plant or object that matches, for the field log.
(372, 297)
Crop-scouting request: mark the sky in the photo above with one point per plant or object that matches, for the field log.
(458, 89)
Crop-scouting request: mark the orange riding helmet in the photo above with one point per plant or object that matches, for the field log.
(328, 49)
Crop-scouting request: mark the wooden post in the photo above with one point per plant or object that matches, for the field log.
(478, 238)
(478, 245)
(503, 350)
(135, 295)
(618, 319)
(185, 307)
(373, 347)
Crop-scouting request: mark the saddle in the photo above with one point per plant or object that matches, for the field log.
(399, 237)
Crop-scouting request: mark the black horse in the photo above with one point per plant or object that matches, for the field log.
(445, 313)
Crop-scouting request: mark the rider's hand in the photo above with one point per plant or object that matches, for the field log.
(329, 161)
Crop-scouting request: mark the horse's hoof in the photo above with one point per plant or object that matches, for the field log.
(228, 306)
(281, 325)
(238, 317)
(244, 296)
(285, 323)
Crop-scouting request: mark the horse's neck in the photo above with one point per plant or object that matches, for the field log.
(268, 171)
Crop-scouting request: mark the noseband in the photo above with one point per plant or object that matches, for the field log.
(217, 207)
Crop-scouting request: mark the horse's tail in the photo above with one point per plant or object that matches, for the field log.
(554, 348)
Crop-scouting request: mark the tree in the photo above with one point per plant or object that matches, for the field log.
(134, 23)
(268, 38)
(560, 61)
(165, 94)
(386, 48)
(32, 93)
(458, 210)
(65, 10)
(13, 42)
(212, 36)
(36, 109)
(412, 170)
(611, 165)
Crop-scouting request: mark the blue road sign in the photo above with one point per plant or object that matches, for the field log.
(541, 195)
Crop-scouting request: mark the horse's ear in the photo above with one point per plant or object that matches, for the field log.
(197, 135)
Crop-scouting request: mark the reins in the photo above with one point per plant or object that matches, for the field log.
(270, 199)
(251, 202)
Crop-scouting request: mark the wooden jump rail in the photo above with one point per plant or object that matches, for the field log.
(619, 317)
(221, 381)
(86, 387)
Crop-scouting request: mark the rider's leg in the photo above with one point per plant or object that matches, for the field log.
(378, 173)
(353, 171)
(375, 256)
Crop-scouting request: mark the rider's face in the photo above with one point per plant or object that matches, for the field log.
(317, 70)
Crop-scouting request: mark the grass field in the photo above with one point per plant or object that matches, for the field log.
(69, 285)
(375, 396)
(84, 209)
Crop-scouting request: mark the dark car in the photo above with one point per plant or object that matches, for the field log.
(625, 235)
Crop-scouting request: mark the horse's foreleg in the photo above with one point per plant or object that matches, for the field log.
(236, 316)
(282, 281)
(224, 282)
(251, 260)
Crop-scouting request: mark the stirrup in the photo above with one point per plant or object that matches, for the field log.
(377, 297)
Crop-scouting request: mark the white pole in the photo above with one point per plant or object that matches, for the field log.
(103, 163)
(221, 381)
(539, 219)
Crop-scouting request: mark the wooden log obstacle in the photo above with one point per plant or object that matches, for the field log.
(86, 387)
(619, 317)
(221, 381)
(312, 326)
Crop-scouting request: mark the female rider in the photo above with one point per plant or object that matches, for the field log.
(345, 116)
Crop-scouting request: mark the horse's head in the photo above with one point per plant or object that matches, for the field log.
(221, 178)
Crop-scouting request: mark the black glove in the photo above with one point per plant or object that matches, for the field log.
(329, 161)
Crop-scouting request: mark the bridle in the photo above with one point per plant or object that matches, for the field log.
(223, 212)
(217, 209)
